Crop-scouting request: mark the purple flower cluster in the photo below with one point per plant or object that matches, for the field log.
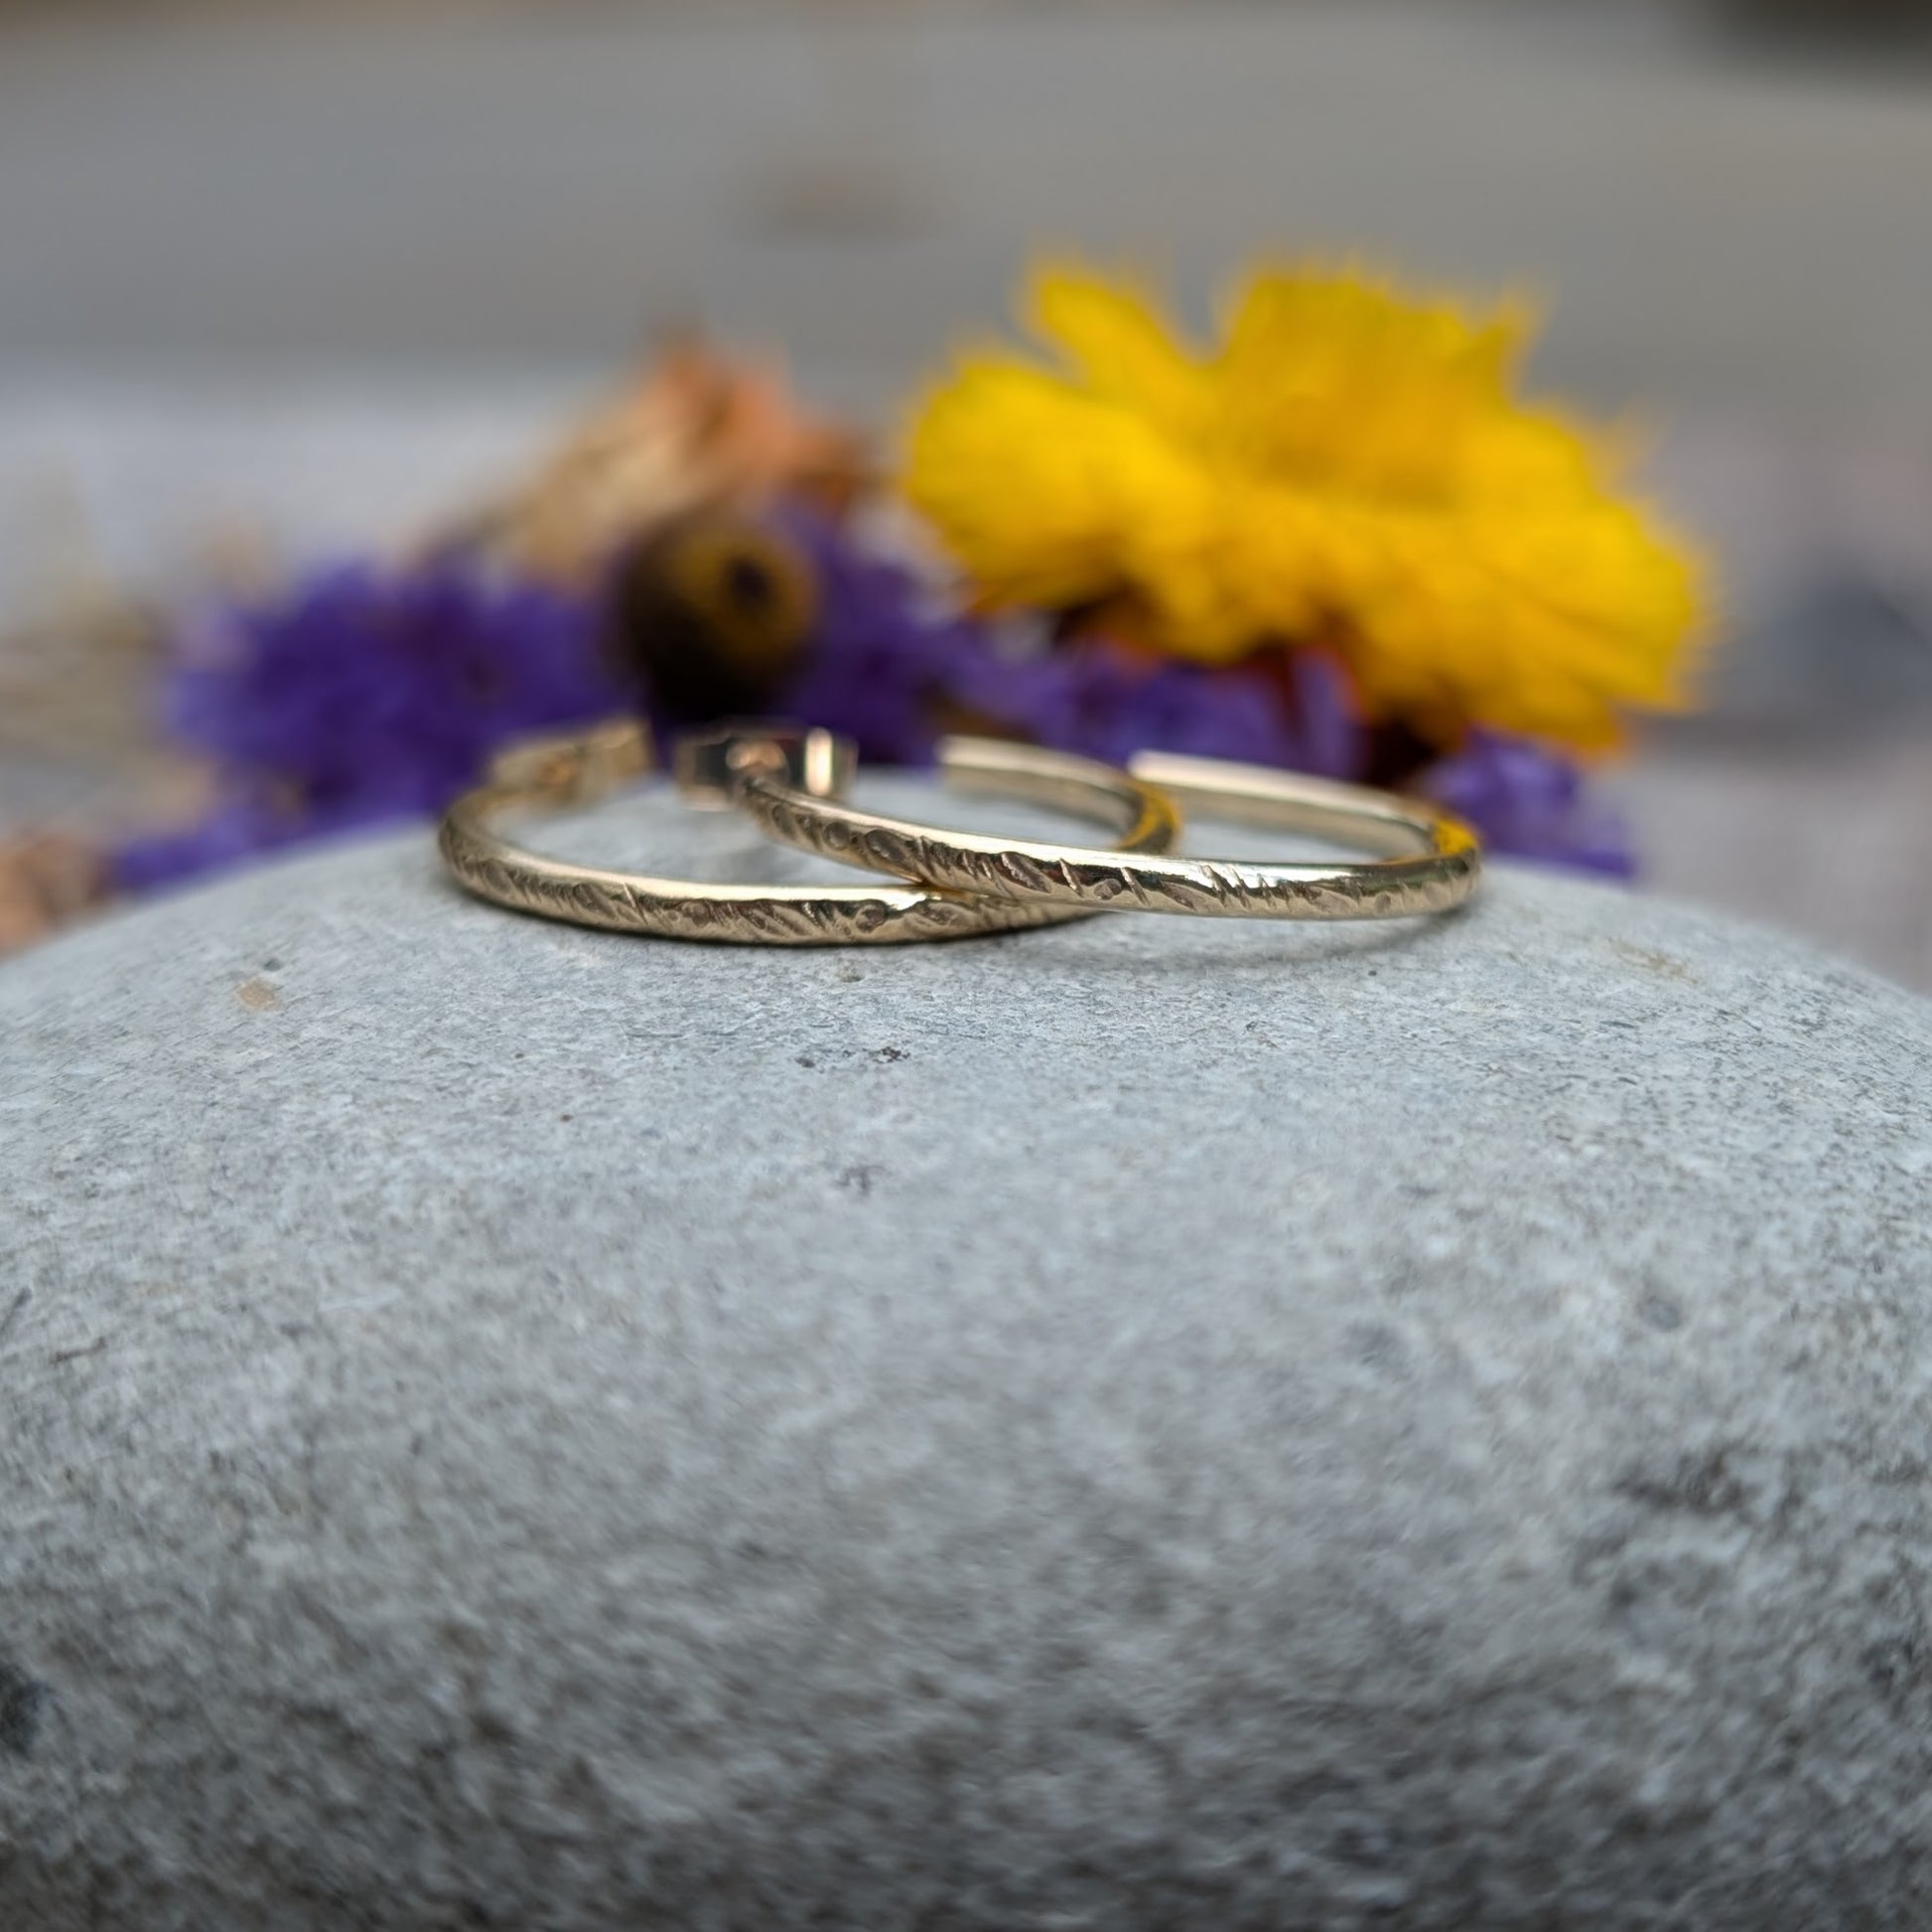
(364, 695)
(1528, 803)
(1095, 698)
(880, 661)
(884, 666)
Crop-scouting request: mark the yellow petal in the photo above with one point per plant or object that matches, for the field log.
(1353, 468)
(1118, 341)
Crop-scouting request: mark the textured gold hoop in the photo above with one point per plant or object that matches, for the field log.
(561, 773)
(1435, 863)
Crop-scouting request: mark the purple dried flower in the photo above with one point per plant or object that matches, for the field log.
(882, 665)
(880, 661)
(362, 695)
(1095, 698)
(1530, 803)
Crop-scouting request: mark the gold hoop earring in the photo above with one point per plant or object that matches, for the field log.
(710, 769)
(1433, 859)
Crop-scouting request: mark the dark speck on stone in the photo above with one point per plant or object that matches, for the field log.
(886, 1055)
(1895, 1665)
(1375, 1345)
(22, 1704)
(1662, 1313)
(1701, 1485)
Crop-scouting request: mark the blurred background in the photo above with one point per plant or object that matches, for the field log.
(303, 274)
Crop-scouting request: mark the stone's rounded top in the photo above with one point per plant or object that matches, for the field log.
(1139, 1425)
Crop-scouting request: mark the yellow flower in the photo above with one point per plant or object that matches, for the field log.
(1348, 467)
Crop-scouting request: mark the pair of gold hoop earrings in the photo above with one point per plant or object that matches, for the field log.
(792, 782)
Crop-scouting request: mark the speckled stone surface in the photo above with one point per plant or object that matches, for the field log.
(1143, 1426)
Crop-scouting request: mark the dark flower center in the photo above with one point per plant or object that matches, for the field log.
(748, 583)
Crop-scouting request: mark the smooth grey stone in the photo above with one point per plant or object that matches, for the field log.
(1148, 1424)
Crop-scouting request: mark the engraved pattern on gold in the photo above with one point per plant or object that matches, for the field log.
(1440, 876)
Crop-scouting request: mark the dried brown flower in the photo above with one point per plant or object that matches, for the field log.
(696, 432)
(48, 879)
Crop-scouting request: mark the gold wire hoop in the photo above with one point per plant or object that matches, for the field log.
(710, 769)
(1433, 859)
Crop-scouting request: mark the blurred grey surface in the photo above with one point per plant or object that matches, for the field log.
(312, 276)
(859, 179)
